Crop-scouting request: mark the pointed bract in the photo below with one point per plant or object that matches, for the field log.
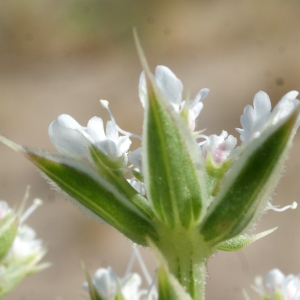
(93, 192)
(174, 189)
(245, 190)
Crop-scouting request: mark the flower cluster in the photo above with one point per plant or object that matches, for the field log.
(278, 286)
(20, 251)
(183, 193)
(72, 139)
(109, 286)
(106, 285)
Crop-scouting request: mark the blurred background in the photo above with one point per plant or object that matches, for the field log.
(63, 56)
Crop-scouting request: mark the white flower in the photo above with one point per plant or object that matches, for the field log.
(108, 284)
(71, 139)
(135, 157)
(25, 244)
(276, 282)
(255, 119)
(171, 88)
(220, 147)
(20, 250)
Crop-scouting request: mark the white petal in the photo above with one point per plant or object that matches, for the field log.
(285, 106)
(95, 129)
(169, 84)
(291, 288)
(112, 131)
(199, 97)
(195, 111)
(247, 121)
(135, 157)
(123, 144)
(109, 147)
(275, 279)
(67, 136)
(105, 281)
(262, 110)
(130, 286)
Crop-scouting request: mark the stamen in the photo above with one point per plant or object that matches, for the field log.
(142, 265)
(201, 136)
(130, 263)
(276, 208)
(36, 203)
(152, 290)
(105, 104)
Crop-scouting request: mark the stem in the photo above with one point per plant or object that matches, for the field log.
(186, 255)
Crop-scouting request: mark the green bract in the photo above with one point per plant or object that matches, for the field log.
(188, 198)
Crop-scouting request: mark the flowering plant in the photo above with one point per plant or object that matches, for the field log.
(184, 194)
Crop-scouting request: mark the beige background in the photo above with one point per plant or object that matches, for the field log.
(62, 57)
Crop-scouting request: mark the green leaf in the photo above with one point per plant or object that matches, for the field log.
(245, 190)
(83, 183)
(171, 167)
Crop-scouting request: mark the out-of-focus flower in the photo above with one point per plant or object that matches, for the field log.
(20, 251)
(109, 286)
(106, 285)
(278, 286)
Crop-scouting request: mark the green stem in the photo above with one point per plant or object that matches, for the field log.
(186, 255)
